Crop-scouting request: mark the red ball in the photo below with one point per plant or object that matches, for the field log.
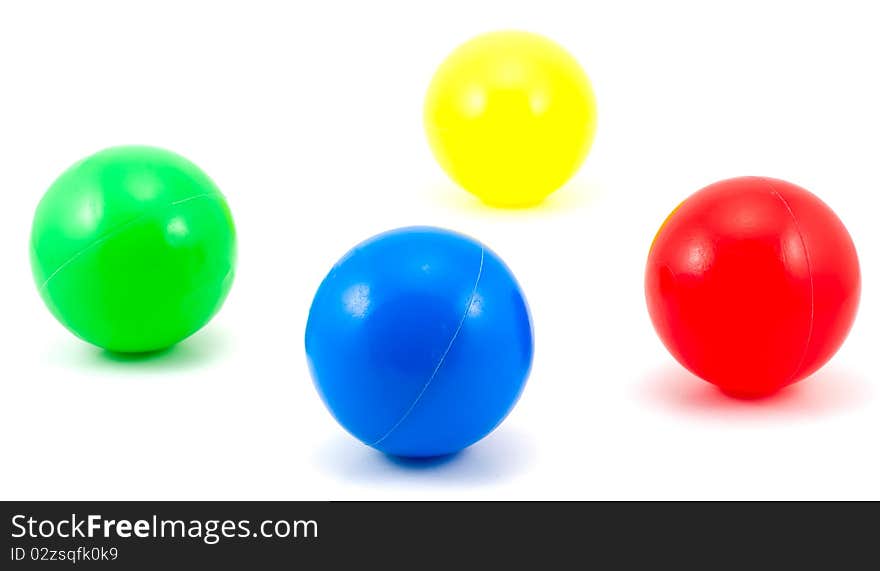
(752, 284)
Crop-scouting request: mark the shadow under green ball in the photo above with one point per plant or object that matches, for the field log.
(133, 249)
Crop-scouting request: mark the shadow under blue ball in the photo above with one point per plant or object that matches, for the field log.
(419, 341)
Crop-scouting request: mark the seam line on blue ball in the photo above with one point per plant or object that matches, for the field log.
(436, 370)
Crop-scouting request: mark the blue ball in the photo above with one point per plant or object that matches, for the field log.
(419, 341)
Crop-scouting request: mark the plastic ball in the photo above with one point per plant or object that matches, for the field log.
(753, 284)
(510, 116)
(133, 249)
(419, 341)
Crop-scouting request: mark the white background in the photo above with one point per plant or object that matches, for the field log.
(308, 116)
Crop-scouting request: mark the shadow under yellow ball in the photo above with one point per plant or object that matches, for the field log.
(510, 116)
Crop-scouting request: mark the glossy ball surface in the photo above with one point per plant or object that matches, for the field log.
(419, 341)
(133, 249)
(753, 284)
(510, 116)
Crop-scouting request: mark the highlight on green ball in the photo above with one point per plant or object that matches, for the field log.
(133, 249)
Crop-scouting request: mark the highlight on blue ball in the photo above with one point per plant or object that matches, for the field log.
(419, 341)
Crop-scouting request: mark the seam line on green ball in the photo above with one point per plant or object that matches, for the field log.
(116, 231)
(91, 246)
(436, 370)
(182, 200)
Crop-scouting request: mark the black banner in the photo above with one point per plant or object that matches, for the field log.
(268, 535)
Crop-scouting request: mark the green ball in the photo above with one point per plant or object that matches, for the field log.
(133, 249)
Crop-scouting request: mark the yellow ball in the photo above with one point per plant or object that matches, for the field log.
(510, 116)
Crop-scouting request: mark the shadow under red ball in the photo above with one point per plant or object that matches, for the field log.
(752, 284)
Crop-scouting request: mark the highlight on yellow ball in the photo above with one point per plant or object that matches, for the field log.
(510, 116)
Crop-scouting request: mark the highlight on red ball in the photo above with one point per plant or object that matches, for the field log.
(752, 284)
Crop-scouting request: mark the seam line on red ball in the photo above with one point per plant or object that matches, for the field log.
(443, 356)
(797, 226)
